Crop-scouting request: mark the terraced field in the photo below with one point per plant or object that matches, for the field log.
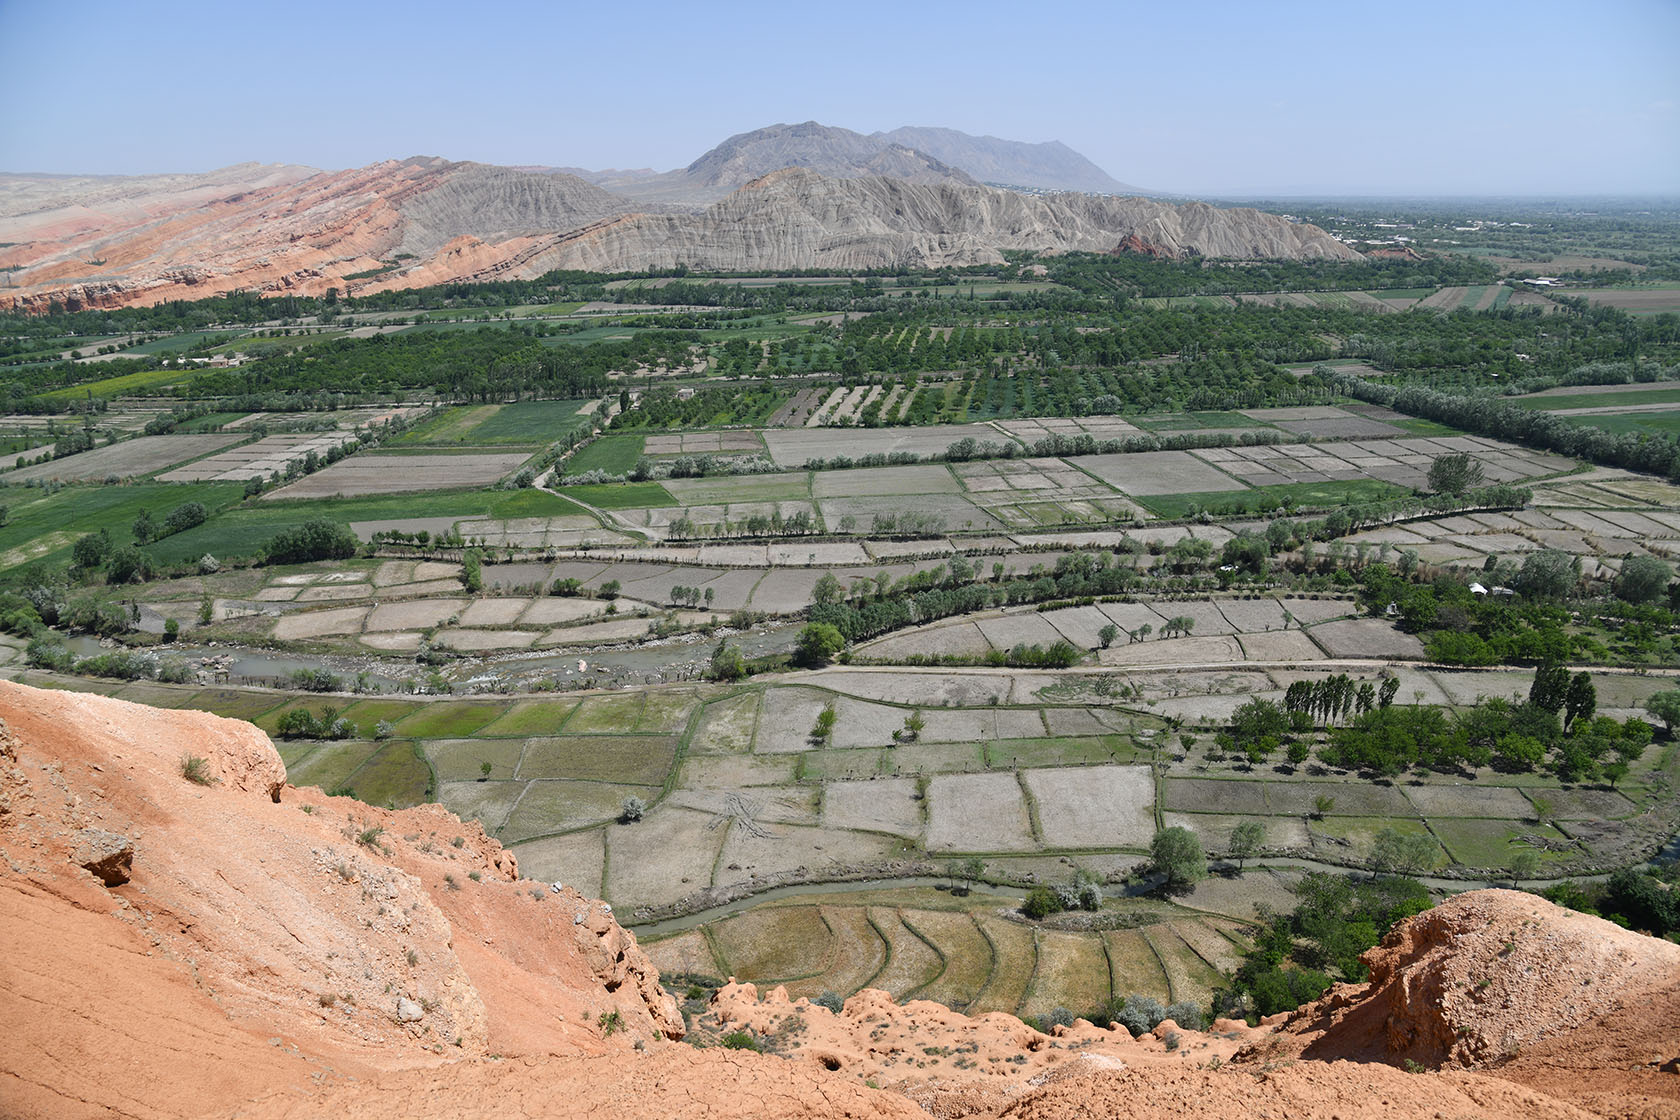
(971, 953)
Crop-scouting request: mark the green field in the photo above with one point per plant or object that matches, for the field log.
(529, 423)
(1551, 403)
(117, 386)
(45, 527)
(1306, 495)
(625, 495)
(243, 531)
(1402, 293)
(614, 454)
(1666, 422)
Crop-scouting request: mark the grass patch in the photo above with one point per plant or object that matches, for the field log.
(1303, 495)
(1670, 395)
(625, 495)
(530, 717)
(242, 531)
(631, 759)
(449, 720)
(528, 423)
(43, 528)
(1009, 754)
(1651, 423)
(613, 454)
(330, 765)
(1419, 426)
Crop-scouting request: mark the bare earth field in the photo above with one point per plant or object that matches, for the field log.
(400, 474)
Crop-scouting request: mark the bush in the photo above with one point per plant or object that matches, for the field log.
(632, 810)
(50, 653)
(197, 770)
(1186, 1014)
(740, 1040)
(830, 1000)
(1140, 1015)
(1041, 903)
(818, 643)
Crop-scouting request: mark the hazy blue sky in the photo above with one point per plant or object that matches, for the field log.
(1195, 96)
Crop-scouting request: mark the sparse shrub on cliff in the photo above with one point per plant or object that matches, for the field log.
(610, 1022)
(741, 1040)
(830, 1000)
(197, 770)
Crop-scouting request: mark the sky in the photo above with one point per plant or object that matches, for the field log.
(1192, 97)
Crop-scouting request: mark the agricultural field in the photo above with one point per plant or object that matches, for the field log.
(133, 458)
(1189, 489)
(401, 474)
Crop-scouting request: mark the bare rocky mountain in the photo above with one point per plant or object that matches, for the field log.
(835, 152)
(424, 220)
(240, 947)
(1051, 166)
(798, 219)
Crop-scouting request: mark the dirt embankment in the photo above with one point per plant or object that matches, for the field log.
(196, 948)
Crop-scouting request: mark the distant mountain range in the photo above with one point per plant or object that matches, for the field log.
(915, 155)
(785, 197)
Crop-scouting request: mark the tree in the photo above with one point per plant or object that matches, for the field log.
(1041, 903)
(632, 810)
(127, 565)
(818, 643)
(727, 663)
(484, 769)
(913, 724)
(1402, 853)
(1525, 864)
(1246, 839)
(1322, 805)
(1107, 635)
(827, 590)
(1580, 700)
(1548, 574)
(1456, 473)
(610, 589)
(312, 540)
(144, 527)
(91, 550)
(1643, 579)
(1666, 707)
(1177, 854)
(1550, 690)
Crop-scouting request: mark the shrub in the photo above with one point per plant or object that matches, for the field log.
(1140, 1015)
(610, 1022)
(369, 837)
(632, 810)
(1186, 1014)
(197, 770)
(741, 1040)
(830, 1000)
(1041, 903)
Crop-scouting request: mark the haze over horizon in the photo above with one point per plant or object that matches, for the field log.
(1209, 98)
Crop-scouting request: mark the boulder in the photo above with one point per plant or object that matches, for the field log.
(109, 855)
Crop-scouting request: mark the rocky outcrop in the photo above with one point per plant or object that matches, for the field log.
(422, 221)
(317, 919)
(1481, 978)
